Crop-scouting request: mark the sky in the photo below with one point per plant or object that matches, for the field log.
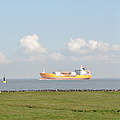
(59, 35)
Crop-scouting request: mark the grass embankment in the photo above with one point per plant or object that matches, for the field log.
(96, 105)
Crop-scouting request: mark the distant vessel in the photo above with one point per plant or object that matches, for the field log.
(79, 74)
(4, 80)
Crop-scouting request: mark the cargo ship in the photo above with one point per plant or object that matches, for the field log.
(79, 74)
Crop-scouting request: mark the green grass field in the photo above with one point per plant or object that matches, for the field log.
(33, 105)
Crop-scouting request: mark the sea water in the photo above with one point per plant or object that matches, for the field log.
(36, 84)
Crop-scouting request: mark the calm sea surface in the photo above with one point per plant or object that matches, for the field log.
(36, 84)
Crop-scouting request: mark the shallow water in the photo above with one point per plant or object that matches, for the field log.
(36, 84)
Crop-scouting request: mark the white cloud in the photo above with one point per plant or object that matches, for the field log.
(31, 45)
(92, 50)
(76, 50)
(84, 47)
(94, 44)
(76, 44)
(3, 59)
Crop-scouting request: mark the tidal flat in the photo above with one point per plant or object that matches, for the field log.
(57, 105)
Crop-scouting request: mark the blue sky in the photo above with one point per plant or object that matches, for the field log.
(52, 26)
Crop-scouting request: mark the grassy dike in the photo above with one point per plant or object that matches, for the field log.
(37, 105)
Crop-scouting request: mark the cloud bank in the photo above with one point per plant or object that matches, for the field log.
(81, 46)
(81, 49)
(74, 50)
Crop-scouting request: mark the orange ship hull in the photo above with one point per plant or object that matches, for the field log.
(48, 76)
